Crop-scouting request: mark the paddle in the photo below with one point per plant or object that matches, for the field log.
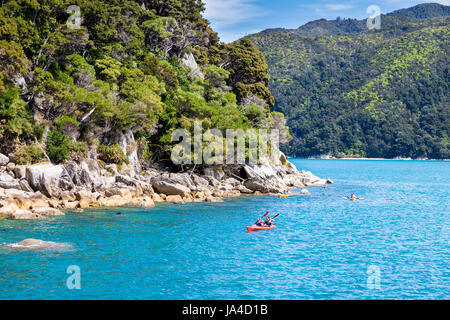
(276, 216)
(265, 214)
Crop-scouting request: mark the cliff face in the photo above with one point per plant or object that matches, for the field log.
(348, 91)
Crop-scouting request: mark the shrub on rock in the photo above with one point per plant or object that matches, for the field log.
(112, 154)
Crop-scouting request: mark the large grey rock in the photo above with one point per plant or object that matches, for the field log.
(264, 178)
(293, 180)
(256, 184)
(189, 62)
(92, 166)
(65, 184)
(5, 177)
(81, 175)
(20, 171)
(127, 180)
(213, 181)
(49, 188)
(213, 172)
(67, 196)
(263, 171)
(141, 202)
(25, 215)
(184, 179)
(199, 181)
(72, 170)
(140, 185)
(174, 199)
(48, 212)
(103, 183)
(232, 181)
(8, 182)
(25, 186)
(305, 192)
(244, 189)
(308, 178)
(85, 177)
(37, 174)
(21, 83)
(121, 192)
(169, 187)
(129, 146)
(126, 141)
(226, 187)
(318, 183)
(3, 160)
(36, 244)
(269, 185)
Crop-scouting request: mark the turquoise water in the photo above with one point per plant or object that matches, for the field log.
(321, 249)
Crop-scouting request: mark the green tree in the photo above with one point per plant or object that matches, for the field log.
(248, 71)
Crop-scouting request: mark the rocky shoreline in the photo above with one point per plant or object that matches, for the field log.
(42, 190)
(332, 157)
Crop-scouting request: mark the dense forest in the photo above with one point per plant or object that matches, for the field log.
(348, 91)
(76, 76)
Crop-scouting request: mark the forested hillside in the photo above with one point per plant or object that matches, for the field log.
(75, 81)
(350, 91)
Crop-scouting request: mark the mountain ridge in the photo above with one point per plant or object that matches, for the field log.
(353, 26)
(378, 94)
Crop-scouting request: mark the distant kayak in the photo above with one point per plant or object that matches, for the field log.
(352, 199)
(288, 195)
(258, 228)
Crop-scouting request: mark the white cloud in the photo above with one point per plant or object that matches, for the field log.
(230, 36)
(444, 2)
(409, 3)
(324, 9)
(336, 7)
(224, 13)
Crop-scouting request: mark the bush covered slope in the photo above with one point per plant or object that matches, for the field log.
(348, 91)
(68, 92)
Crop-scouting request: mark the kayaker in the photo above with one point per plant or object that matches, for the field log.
(259, 222)
(268, 221)
(352, 196)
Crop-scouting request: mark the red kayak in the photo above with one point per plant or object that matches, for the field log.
(257, 228)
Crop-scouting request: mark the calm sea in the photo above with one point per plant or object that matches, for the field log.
(393, 244)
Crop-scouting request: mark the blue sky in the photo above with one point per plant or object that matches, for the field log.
(233, 19)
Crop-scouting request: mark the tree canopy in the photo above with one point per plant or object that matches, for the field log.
(71, 89)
